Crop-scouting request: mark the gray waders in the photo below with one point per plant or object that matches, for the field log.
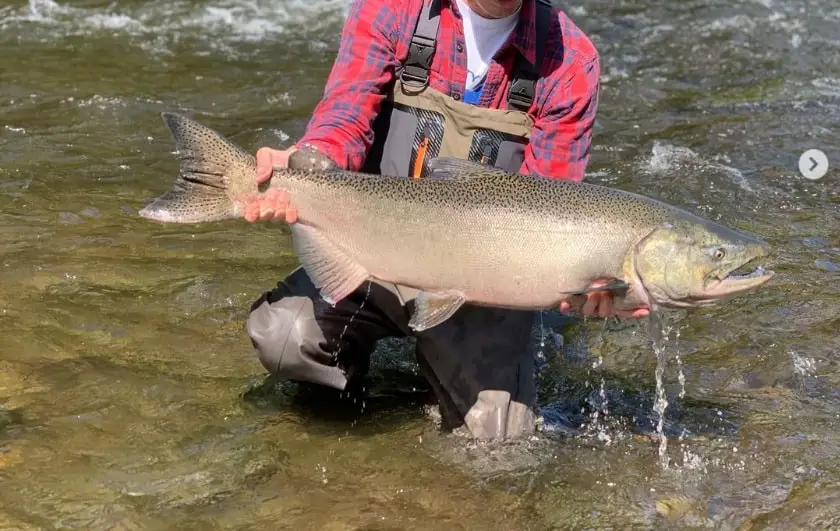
(479, 362)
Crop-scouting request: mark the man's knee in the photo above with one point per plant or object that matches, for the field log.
(481, 367)
(289, 341)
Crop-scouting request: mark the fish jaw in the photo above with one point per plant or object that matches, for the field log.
(729, 282)
(731, 286)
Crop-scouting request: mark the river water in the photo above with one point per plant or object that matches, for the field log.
(130, 397)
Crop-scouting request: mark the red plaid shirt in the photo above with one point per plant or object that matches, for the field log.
(375, 41)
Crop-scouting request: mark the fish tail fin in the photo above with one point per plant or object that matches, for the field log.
(213, 171)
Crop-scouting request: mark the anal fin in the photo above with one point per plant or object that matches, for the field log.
(431, 309)
(334, 273)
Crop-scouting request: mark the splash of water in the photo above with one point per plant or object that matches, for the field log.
(660, 335)
(350, 321)
(667, 158)
(338, 343)
(660, 406)
(680, 374)
(540, 358)
(597, 424)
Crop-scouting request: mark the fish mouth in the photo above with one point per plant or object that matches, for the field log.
(744, 278)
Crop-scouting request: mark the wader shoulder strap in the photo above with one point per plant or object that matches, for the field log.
(417, 65)
(415, 69)
(525, 74)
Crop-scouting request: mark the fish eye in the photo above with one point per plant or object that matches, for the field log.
(719, 253)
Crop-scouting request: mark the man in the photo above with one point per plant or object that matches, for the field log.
(511, 83)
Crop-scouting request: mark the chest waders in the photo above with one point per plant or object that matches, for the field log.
(479, 363)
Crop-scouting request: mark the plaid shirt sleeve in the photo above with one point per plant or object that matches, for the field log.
(562, 134)
(341, 124)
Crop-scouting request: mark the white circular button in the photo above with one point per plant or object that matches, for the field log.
(813, 164)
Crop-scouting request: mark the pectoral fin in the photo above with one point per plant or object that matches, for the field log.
(431, 309)
(334, 273)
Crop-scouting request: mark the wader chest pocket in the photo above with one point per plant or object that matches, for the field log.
(502, 150)
(414, 137)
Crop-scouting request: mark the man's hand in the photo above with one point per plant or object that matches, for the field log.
(600, 304)
(273, 205)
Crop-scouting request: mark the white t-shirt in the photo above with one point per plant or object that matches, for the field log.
(483, 37)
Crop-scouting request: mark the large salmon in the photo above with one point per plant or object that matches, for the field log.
(469, 232)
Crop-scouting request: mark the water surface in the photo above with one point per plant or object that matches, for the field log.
(129, 394)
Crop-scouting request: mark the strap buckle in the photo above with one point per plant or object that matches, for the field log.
(415, 70)
(521, 91)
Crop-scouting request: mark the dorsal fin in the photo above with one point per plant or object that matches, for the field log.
(451, 168)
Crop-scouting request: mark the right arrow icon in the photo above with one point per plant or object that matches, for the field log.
(813, 164)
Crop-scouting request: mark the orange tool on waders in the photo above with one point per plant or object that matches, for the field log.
(420, 157)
